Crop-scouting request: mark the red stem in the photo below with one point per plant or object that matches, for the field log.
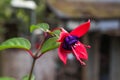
(36, 56)
(58, 28)
(30, 52)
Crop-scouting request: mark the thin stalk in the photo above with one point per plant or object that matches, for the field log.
(38, 50)
(30, 52)
(32, 68)
(36, 56)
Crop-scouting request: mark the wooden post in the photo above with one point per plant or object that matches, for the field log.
(94, 58)
(84, 69)
(115, 59)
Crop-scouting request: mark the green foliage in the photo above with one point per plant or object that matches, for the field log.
(22, 14)
(6, 78)
(15, 43)
(56, 32)
(42, 26)
(5, 10)
(41, 10)
(27, 77)
(50, 44)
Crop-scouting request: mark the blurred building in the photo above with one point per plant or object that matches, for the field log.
(104, 37)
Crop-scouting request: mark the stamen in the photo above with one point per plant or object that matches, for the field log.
(76, 44)
(87, 46)
(82, 53)
(82, 63)
(78, 58)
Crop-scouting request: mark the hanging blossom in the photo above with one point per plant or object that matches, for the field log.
(69, 43)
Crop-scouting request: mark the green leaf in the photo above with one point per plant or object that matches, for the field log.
(27, 77)
(33, 27)
(56, 32)
(42, 26)
(6, 78)
(15, 43)
(50, 44)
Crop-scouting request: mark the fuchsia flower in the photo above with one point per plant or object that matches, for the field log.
(70, 43)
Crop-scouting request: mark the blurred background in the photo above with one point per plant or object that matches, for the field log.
(16, 16)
